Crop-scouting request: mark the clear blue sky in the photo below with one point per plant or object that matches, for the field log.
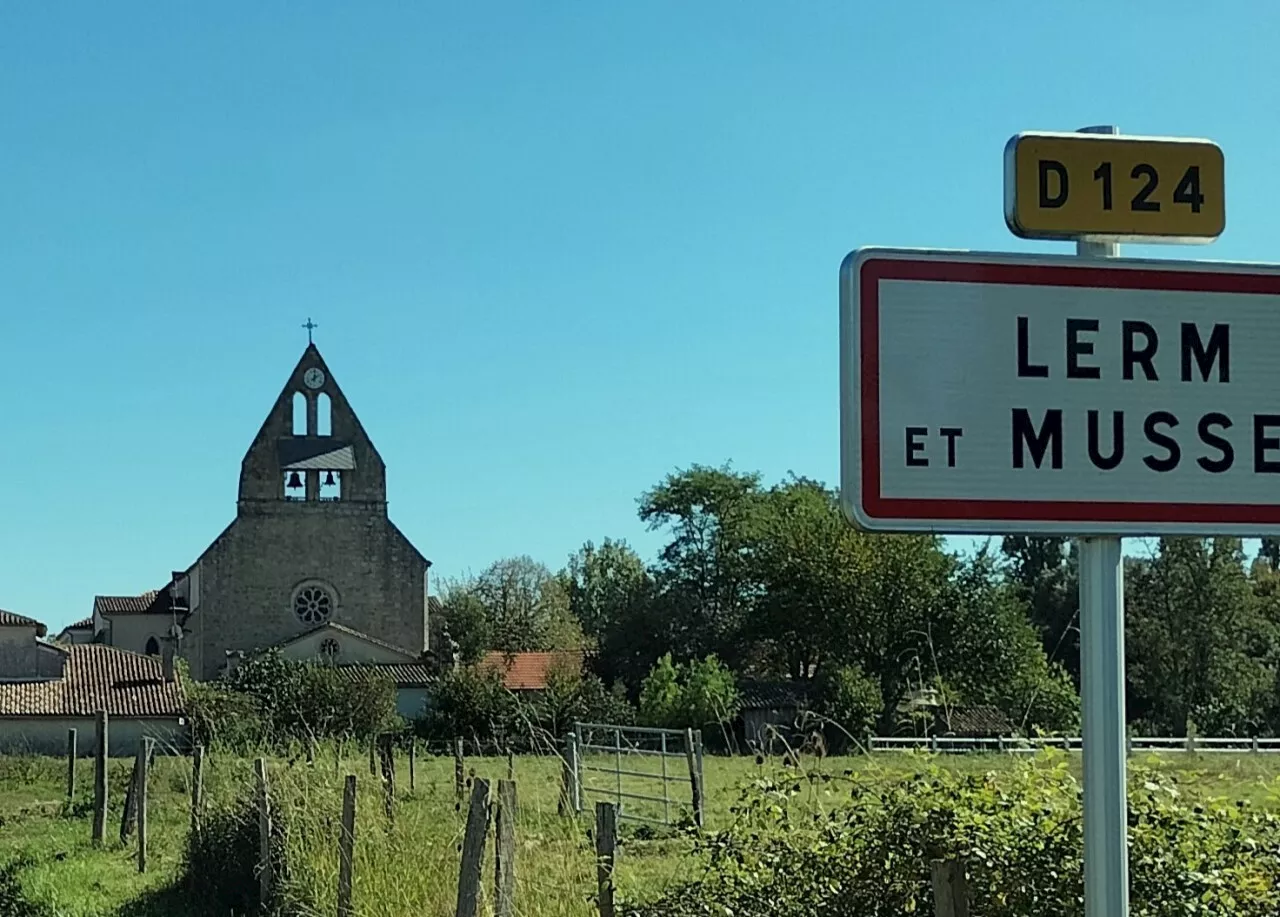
(556, 250)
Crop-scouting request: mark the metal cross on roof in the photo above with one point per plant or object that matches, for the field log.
(310, 326)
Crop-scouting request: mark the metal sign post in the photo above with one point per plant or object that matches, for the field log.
(1093, 397)
(1106, 807)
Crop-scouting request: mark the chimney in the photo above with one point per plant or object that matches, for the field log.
(167, 658)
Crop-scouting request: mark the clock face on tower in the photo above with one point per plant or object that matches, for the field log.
(313, 378)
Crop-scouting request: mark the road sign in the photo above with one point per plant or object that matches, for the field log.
(985, 393)
(1154, 189)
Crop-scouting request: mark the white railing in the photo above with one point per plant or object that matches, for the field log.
(1015, 745)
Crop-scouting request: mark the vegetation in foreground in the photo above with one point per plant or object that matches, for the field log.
(836, 836)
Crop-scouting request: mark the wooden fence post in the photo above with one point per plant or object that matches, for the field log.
(264, 832)
(606, 843)
(346, 847)
(413, 764)
(100, 779)
(130, 815)
(386, 751)
(144, 758)
(71, 765)
(504, 856)
(373, 757)
(695, 781)
(511, 764)
(197, 790)
(469, 875)
(950, 890)
(459, 769)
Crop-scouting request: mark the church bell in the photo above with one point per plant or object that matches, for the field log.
(295, 482)
(328, 481)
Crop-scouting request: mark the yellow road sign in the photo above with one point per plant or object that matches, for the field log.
(1113, 187)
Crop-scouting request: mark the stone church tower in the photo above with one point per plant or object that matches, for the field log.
(311, 557)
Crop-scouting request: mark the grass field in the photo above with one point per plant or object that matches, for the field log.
(410, 866)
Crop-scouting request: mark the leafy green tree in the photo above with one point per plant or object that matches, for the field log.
(850, 700)
(695, 694)
(1045, 573)
(704, 573)
(1196, 640)
(466, 620)
(470, 702)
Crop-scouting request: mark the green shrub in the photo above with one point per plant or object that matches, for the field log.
(850, 700)
(866, 848)
(13, 900)
(470, 702)
(301, 700)
(694, 694)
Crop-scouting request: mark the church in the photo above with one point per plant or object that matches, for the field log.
(311, 565)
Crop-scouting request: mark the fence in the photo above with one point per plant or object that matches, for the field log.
(1014, 745)
(636, 763)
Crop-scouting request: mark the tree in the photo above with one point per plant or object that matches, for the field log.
(1045, 573)
(704, 572)
(1196, 639)
(616, 602)
(515, 606)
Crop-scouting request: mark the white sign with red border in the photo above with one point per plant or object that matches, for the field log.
(993, 393)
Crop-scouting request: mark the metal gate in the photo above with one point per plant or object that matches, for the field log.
(651, 775)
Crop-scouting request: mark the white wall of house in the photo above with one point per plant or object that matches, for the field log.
(17, 634)
(47, 735)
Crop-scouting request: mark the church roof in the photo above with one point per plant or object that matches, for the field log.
(96, 678)
(153, 601)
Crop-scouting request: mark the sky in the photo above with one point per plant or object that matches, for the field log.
(555, 250)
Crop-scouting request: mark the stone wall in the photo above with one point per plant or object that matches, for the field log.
(250, 574)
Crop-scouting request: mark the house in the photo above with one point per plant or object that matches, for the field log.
(531, 671)
(978, 721)
(769, 711)
(80, 632)
(47, 689)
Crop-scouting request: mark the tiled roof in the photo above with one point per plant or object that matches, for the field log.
(528, 671)
(86, 624)
(130, 604)
(97, 678)
(9, 619)
(405, 675)
(978, 720)
(772, 695)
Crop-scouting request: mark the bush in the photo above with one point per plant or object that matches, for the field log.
(694, 694)
(851, 701)
(223, 718)
(470, 702)
(13, 900)
(1020, 837)
(306, 700)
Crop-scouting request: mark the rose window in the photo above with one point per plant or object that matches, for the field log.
(329, 648)
(312, 605)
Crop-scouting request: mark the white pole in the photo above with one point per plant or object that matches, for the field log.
(1106, 817)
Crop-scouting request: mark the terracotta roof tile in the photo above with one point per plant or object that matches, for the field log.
(528, 671)
(97, 678)
(9, 619)
(85, 624)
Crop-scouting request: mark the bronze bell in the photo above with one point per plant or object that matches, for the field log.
(294, 481)
(328, 481)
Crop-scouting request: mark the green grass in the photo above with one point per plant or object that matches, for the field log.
(410, 866)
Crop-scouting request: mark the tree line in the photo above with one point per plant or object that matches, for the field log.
(770, 581)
